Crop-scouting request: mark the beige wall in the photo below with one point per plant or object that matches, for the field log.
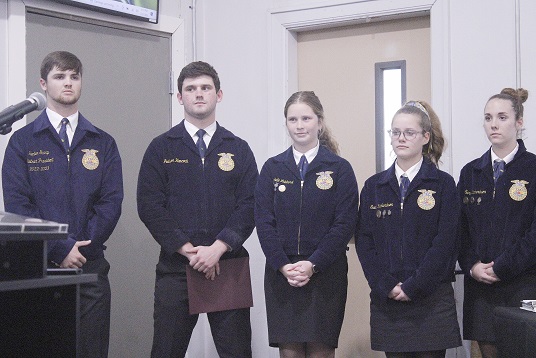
(338, 64)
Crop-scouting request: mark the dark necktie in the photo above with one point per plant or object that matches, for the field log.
(302, 165)
(63, 134)
(404, 184)
(201, 146)
(498, 169)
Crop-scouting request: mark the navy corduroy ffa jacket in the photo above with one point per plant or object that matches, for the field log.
(316, 220)
(500, 226)
(416, 245)
(85, 192)
(181, 200)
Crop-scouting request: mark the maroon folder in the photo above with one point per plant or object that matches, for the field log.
(231, 289)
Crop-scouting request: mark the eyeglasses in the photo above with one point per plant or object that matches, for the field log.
(408, 134)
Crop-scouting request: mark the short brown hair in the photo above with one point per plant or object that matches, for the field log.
(63, 60)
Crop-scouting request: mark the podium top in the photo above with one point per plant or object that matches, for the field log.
(13, 224)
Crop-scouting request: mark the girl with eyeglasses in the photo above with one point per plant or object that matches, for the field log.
(406, 242)
(305, 211)
(498, 222)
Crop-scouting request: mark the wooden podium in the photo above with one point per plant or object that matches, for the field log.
(39, 309)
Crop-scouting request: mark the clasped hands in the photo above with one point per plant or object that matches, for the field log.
(484, 273)
(298, 274)
(205, 259)
(398, 294)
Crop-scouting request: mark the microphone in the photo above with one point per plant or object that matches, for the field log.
(36, 101)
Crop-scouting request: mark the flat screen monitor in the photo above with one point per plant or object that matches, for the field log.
(144, 10)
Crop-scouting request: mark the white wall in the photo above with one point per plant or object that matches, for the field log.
(478, 47)
(3, 74)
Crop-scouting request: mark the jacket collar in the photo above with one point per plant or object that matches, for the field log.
(42, 123)
(485, 160)
(179, 132)
(323, 157)
(428, 171)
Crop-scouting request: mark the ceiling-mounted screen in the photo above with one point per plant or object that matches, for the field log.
(145, 10)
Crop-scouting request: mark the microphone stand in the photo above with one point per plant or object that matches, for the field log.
(5, 128)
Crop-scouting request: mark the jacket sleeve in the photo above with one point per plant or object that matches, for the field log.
(241, 222)
(334, 242)
(374, 266)
(18, 193)
(467, 255)
(265, 220)
(106, 208)
(519, 257)
(439, 260)
(19, 196)
(152, 196)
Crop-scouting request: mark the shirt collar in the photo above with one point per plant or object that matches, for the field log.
(508, 158)
(410, 173)
(55, 119)
(309, 155)
(192, 130)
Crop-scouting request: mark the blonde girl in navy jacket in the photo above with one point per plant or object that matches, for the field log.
(498, 222)
(305, 215)
(406, 242)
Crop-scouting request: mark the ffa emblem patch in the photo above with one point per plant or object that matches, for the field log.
(226, 162)
(90, 160)
(426, 200)
(518, 191)
(324, 180)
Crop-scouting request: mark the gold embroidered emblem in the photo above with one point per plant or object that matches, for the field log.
(426, 200)
(324, 180)
(90, 160)
(518, 191)
(226, 162)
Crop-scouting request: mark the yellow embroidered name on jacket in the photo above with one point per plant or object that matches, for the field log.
(379, 206)
(38, 152)
(175, 160)
(474, 192)
(283, 181)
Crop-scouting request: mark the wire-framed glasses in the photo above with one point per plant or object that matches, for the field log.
(409, 134)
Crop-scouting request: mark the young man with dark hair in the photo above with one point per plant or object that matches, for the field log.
(195, 195)
(62, 168)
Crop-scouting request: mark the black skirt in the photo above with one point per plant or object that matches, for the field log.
(426, 325)
(312, 313)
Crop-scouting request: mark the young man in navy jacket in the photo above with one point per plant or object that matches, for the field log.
(195, 195)
(62, 168)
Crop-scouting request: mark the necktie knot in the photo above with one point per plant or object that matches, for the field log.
(63, 134)
(201, 146)
(302, 166)
(498, 169)
(404, 184)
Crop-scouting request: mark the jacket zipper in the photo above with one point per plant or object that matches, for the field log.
(402, 217)
(299, 227)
